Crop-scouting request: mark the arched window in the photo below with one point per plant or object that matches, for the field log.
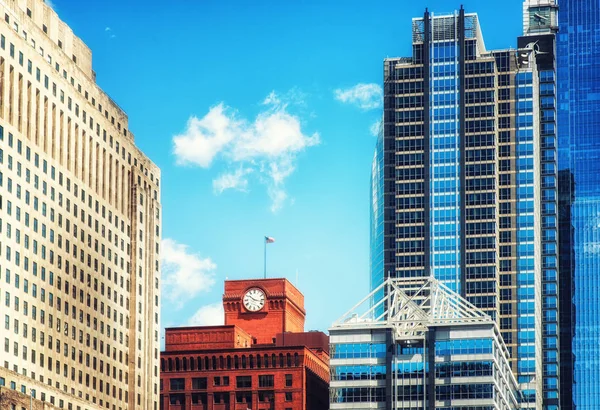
(170, 362)
(192, 364)
(244, 362)
(267, 361)
(206, 363)
(273, 360)
(185, 364)
(258, 362)
(280, 359)
(221, 362)
(200, 364)
(289, 360)
(162, 365)
(236, 362)
(228, 362)
(296, 360)
(177, 364)
(214, 363)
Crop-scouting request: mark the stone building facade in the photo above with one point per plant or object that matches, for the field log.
(79, 227)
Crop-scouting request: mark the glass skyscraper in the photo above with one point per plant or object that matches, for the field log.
(579, 168)
(540, 27)
(467, 175)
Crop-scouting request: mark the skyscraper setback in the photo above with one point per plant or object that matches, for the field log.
(79, 228)
(465, 180)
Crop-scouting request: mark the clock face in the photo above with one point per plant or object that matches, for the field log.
(540, 16)
(254, 300)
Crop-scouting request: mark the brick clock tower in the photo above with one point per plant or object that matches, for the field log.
(264, 308)
(260, 359)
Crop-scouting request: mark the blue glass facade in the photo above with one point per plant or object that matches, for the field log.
(579, 168)
(377, 216)
(444, 164)
(540, 28)
(549, 202)
(526, 237)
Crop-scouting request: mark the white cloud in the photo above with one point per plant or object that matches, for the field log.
(272, 99)
(204, 138)
(365, 96)
(278, 198)
(294, 97)
(232, 180)
(185, 274)
(208, 315)
(51, 4)
(109, 32)
(374, 129)
(267, 146)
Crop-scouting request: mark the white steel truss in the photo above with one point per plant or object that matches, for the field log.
(410, 306)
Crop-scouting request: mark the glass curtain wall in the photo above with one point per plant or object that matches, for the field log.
(579, 167)
(445, 158)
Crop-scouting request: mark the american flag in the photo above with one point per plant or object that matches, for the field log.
(269, 239)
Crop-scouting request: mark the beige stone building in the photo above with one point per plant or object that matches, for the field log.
(79, 229)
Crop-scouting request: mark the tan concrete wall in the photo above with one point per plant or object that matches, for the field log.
(85, 211)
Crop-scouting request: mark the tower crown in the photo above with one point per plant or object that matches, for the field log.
(540, 17)
(264, 307)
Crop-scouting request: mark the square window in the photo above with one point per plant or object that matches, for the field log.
(243, 382)
(199, 383)
(177, 384)
(266, 381)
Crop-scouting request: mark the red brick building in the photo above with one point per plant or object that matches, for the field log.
(260, 359)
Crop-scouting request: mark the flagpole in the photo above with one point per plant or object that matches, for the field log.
(268, 239)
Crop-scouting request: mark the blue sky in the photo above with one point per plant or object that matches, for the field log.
(252, 111)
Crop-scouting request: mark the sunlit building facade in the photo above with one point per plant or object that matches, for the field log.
(79, 229)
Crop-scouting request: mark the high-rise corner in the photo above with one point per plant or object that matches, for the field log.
(79, 228)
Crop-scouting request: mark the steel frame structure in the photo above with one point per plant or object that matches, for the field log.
(411, 306)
